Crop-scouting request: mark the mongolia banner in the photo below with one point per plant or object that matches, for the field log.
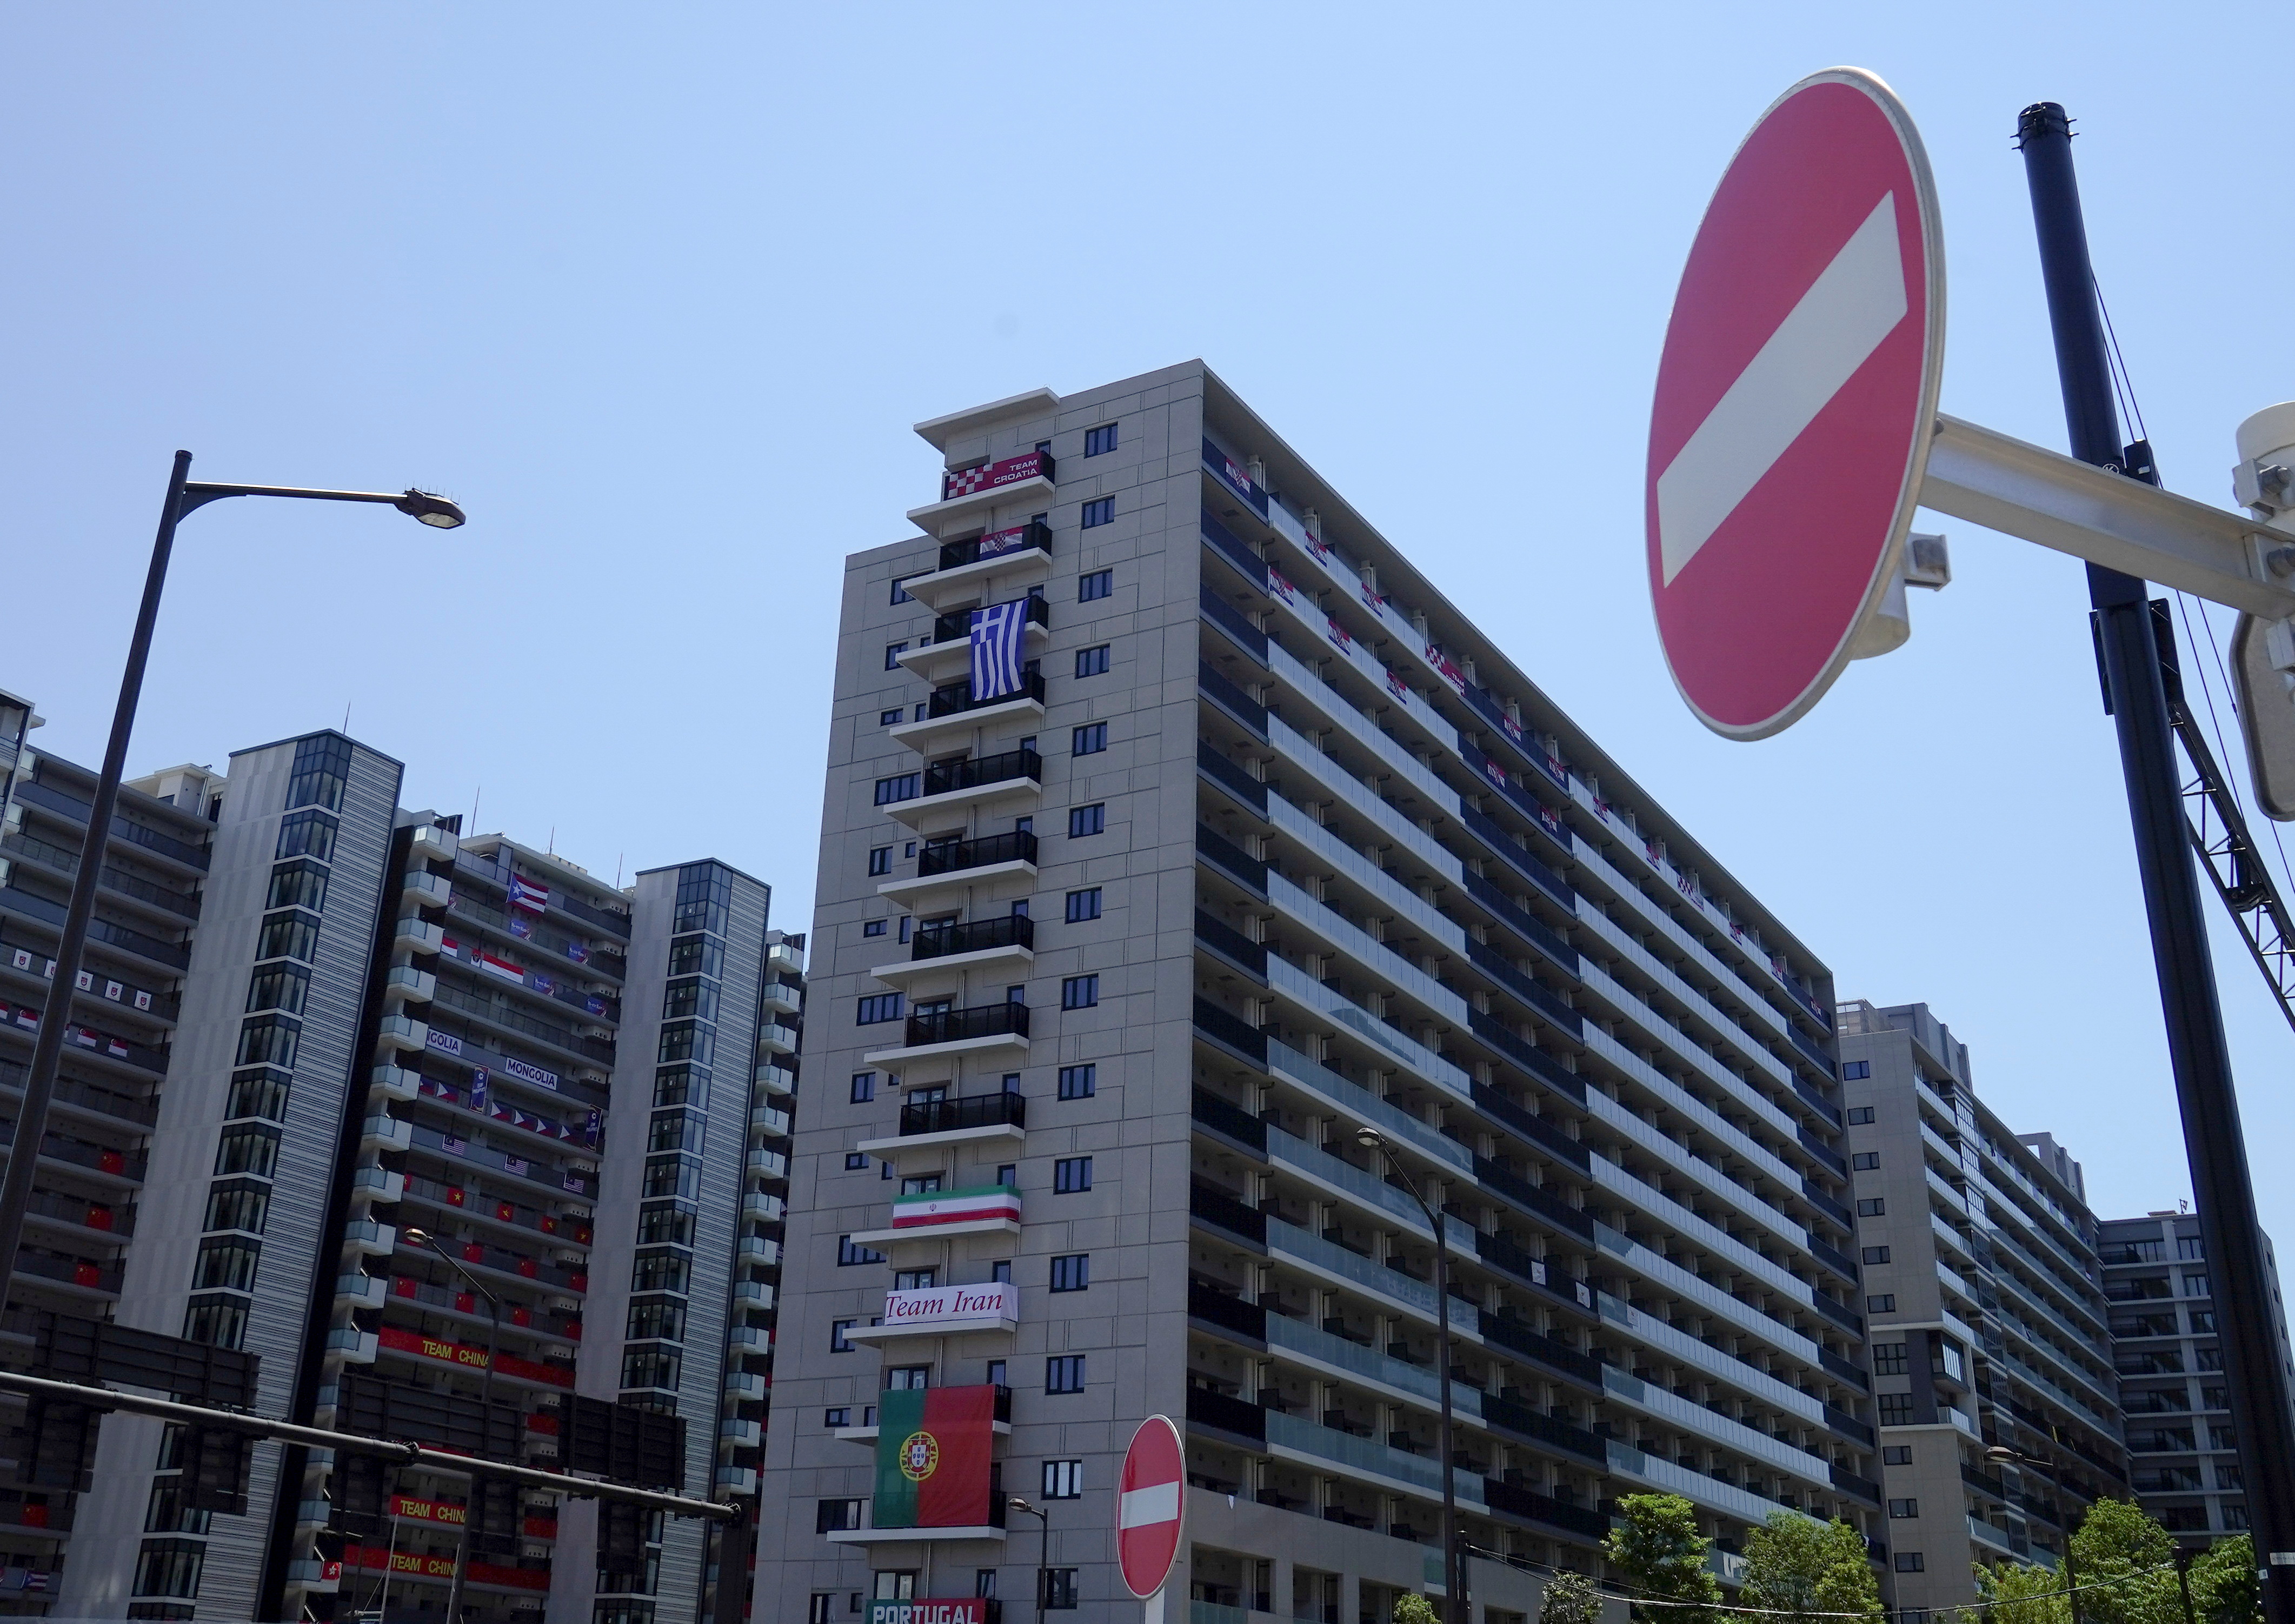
(933, 1449)
(955, 1207)
(996, 634)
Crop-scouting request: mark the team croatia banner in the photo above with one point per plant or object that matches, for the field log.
(955, 1207)
(933, 1450)
(997, 632)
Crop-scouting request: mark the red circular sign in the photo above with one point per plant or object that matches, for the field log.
(1150, 1498)
(1795, 402)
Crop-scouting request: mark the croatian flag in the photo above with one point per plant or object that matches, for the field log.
(525, 893)
(996, 635)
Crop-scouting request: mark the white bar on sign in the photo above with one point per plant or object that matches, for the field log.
(1143, 1507)
(1856, 302)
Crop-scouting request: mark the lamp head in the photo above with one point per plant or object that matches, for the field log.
(2002, 1452)
(415, 1237)
(435, 511)
(1369, 1138)
(1021, 1505)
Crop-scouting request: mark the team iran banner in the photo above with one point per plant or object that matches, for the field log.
(933, 1444)
(955, 1206)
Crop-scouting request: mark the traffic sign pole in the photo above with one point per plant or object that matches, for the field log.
(2261, 1417)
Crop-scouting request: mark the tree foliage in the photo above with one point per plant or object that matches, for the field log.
(2224, 1587)
(1570, 1598)
(1802, 1567)
(1657, 1550)
(1412, 1608)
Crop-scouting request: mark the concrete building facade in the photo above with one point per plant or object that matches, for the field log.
(1986, 1314)
(1273, 845)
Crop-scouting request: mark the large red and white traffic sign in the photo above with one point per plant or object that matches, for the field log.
(1796, 403)
(1149, 1500)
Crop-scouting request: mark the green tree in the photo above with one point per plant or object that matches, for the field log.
(2012, 1592)
(2224, 1587)
(2125, 1562)
(1803, 1567)
(1570, 1598)
(1412, 1608)
(1657, 1550)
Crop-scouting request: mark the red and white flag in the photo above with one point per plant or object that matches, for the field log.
(525, 893)
(500, 966)
(955, 1207)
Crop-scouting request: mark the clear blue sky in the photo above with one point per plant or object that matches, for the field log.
(656, 292)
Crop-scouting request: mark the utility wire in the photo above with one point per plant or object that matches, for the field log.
(2121, 383)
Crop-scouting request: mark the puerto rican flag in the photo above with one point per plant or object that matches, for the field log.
(997, 632)
(955, 1207)
(525, 893)
(500, 966)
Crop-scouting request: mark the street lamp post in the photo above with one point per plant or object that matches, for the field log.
(183, 495)
(425, 1239)
(1454, 1588)
(1043, 1547)
(2007, 1456)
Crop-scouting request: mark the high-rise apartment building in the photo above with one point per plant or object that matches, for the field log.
(2183, 1458)
(1987, 1317)
(387, 1160)
(1264, 845)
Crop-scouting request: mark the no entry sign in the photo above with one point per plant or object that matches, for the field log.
(1795, 402)
(1149, 1501)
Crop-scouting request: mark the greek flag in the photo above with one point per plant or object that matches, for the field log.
(997, 632)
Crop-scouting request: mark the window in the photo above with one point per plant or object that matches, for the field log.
(848, 1254)
(1080, 993)
(278, 986)
(696, 955)
(308, 833)
(1090, 739)
(1889, 1358)
(901, 586)
(664, 1226)
(1079, 1081)
(878, 1009)
(904, 930)
(837, 1330)
(865, 1087)
(1064, 1373)
(836, 1416)
(1072, 1174)
(293, 935)
(228, 1265)
(1087, 819)
(873, 927)
(1098, 513)
(170, 1567)
(2190, 1248)
(1007, 1175)
(901, 787)
(268, 1039)
(1096, 442)
(2203, 1322)
(1865, 1161)
(2195, 1286)
(1092, 662)
(908, 1378)
(259, 1091)
(892, 652)
(1903, 1508)
(1059, 1589)
(1895, 1408)
(983, 1582)
(880, 859)
(834, 1516)
(915, 1279)
(855, 1161)
(301, 884)
(1071, 1273)
(1011, 1083)
(1872, 1206)
(999, 1272)
(921, 1184)
(1910, 1561)
(1877, 1254)
(995, 1373)
(1897, 1455)
(1858, 1115)
(1063, 1480)
(252, 1149)
(238, 1204)
(656, 1317)
(680, 1085)
(1856, 1071)
(1084, 905)
(658, 1272)
(217, 1321)
(322, 764)
(1099, 584)
(1016, 994)
(892, 718)
(1882, 1303)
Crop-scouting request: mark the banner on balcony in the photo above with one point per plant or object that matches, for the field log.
(525, 893)
(933, 1449)
(997, 632)
(951, 1610)
(936, 1305)
(955, 1207)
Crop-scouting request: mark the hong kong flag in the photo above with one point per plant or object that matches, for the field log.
(933, 1449)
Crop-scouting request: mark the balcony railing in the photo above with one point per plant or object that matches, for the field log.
(956, 625)
(971, 1111)
(955, 698)
(944, 778)
(956, 1026)
(951, 856)
(942, 938)
(73, 807)
(1034, 536)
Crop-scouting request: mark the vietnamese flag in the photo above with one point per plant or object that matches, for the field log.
(933, 1448)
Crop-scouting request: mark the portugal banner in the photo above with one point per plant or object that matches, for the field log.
(933, 1448)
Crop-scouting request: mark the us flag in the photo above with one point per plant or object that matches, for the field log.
(997, 632)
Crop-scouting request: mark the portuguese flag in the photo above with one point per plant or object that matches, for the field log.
(933, 1448)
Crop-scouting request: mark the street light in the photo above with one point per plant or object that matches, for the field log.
(1453, 1564)
(1043, 1546)
(429, 1243)
(183, 496)
(2007, 1456)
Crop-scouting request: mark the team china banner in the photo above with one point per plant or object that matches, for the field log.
(933, 1444)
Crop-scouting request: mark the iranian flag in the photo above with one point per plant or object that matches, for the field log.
(955, 1207)
(933, 1444)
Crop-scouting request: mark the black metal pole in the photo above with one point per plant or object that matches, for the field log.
(40, 1083)
(2197, 1051)
(1454, 1565)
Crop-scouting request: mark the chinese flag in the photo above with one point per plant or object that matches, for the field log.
(933, 1449)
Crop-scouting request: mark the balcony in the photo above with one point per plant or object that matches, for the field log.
(432, 843)
(385, 1133)
(780, 998)
(980, 783)
(947, 868)
(356, 1347)
(952, 712)
(364, 1235)
(947, 653)
(739, 1434)
(775, 1079)
(406, 981)
(1007, 941)
(775, 1039)
(764, 1209)
(985, 1029)
(753, 1294)
(403, 1031)
(745, 1385)
(975, 1118)
(766, 1164)
(738, 1481)
(770, 1120)
(426, 890)
(378, 1184)
(388, 1081)
(757, 1252)
(784, 958)
(362, 1291)
(417, 937)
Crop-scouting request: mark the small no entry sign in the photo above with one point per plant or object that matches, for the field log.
(1795, 402)
(1150, 1499)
